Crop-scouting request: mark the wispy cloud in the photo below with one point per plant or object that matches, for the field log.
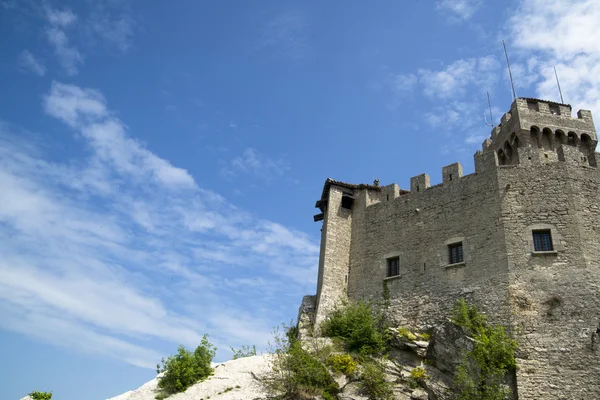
(458, 10)
(454, 79)
(121, 246)
(113, 25)
(569, 41)
(28, 62)
(285, 35)
(254, 164)
(59, 21)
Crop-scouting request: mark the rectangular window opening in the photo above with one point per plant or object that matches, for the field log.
(347, 202)
(542, 240)
(393, 265)
(455, 253)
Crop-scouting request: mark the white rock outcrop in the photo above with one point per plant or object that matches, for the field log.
(232, 380)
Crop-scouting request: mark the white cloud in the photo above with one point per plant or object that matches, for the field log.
(286, 35)
(68, 55)
(458, 10)
(569, 40)
(455, 78)
(60, 18)
(254, 164)
(29, 62)
(120, 249)
(86, 110)
(404, 83)
(113, 26)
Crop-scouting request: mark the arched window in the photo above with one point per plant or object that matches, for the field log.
(572, 139)
(586, 143)
(501, 157)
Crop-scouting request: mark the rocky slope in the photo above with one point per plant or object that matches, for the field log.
(232, 380)
(239, 379)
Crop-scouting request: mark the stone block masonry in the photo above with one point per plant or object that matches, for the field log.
(473, 236)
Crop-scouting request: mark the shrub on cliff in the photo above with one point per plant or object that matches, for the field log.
(185, 368)
(295, 373)
(482, 373)
(358, 326)
(245, 351)
(35, 395)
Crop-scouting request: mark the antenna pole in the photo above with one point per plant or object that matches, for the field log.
(514, 93)
(485, 115)
(558, 83)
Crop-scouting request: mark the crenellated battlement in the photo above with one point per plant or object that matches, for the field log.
(544, 125)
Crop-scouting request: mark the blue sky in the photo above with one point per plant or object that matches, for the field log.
(160, 161)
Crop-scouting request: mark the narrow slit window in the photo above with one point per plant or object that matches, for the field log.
(393, 265)
(455, 253)
(542, 240)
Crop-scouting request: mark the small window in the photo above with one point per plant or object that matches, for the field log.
(393, 265)
(455, 253)
(347, 201)
(542, 240)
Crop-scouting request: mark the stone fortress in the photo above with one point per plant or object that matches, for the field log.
(519, 237)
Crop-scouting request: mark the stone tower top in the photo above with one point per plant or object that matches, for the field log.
(540, 124)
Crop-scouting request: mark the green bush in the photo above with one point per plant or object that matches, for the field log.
(185, 368)
(295, 373)
(343, 363)
(245, 351)
(373, 382)
(35, 395)
(483, 370)
(468, 317)
(356, 324)
(406, 333)
(418, 375)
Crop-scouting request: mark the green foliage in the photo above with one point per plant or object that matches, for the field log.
(359, 327)
(343, 363)
(481, 374)
(245, 351)
(406, 333)
(373, 381)
(418, 375)
(295, 373)
(468, 317)
(185, 368)
(424, 336)
(35, 395)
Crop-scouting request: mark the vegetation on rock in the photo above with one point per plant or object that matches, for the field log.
(373, 382)
(245, 351)
(358, 326)
(297, 374)
(343, 363)
(482, 373)
(35, 395)
(185, 368)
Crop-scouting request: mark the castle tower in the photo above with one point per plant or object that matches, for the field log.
(519, 237)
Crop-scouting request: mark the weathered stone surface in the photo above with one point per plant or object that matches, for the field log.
(448, 345)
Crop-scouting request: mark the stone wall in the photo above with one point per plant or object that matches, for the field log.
(418, 227)
(554, 296)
